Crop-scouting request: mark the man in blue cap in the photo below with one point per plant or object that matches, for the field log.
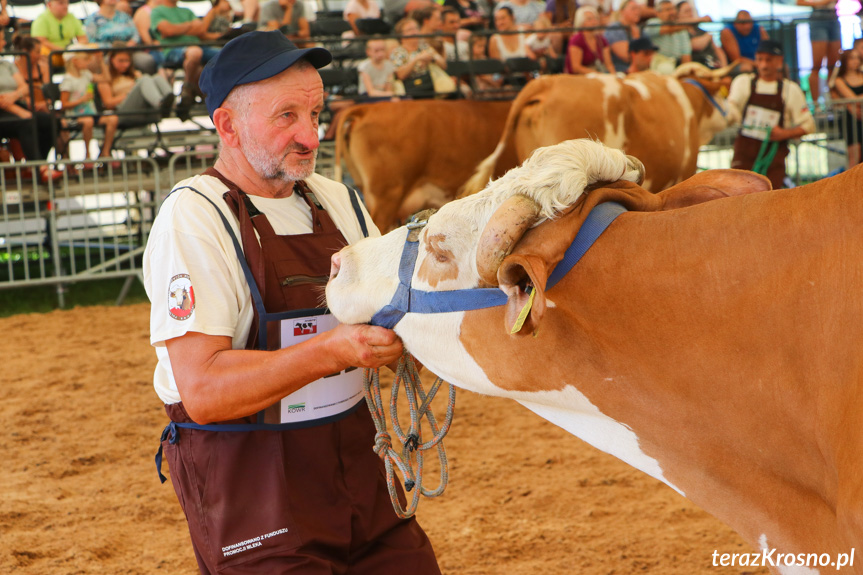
(270, 441)
(773, 108)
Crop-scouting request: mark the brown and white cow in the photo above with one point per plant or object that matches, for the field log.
(661, 120)
(715, 345)
(415, 154)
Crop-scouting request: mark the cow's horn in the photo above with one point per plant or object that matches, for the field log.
(696, 68)
(724, 71)
(502, 232)
(635, 164)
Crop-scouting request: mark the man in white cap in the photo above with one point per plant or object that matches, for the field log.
(270, 441)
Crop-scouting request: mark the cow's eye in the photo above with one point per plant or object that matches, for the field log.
(441, 257)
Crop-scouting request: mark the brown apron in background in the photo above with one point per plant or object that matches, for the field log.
(746, 149)
(311, 499)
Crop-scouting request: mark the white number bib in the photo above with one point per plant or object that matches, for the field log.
(328, 396)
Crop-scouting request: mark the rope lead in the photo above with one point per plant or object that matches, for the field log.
(419, 406)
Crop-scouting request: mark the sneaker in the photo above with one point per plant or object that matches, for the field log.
(184, 107)
(166, 106)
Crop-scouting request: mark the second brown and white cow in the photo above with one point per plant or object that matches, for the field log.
(415, 154)
(714, 346)
(661, 120)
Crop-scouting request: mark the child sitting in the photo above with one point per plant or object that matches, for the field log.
(541, 41)
(377, 72)
(77, 93)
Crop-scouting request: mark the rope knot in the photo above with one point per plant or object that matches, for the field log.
(383, 443)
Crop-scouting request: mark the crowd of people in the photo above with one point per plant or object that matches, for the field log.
(128, 59)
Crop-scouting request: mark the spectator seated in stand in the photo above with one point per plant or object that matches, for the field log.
(540, 42)
(412, 60)
(109, 25)
(33, 68)
(621, 32)
(77, 93)
(704, 49)
(454, 47)
(470, 16)
(138, 99)
(220, 26)
(56, 28)
(670, 37)
(849, 86)
(360, 12)
(173, 25)
(588, 50)
(740, 40)
(289, 16)
(16, 120)
(524, 12)
(507, 44)
(376, 72)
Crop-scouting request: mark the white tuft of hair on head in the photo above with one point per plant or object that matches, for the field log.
(556, 176)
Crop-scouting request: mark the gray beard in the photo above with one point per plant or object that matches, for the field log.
(270, 168)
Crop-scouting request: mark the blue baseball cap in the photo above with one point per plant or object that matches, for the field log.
(253, 57)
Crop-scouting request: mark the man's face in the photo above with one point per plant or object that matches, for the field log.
(743, 23)
(768, 65)
(641, 59)
(451, 22)
(279, 134)
(666, 12)
(59, 8)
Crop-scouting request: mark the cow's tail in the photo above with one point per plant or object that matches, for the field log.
(342, 125)
(485, 170)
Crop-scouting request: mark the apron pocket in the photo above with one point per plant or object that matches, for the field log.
(245, 501)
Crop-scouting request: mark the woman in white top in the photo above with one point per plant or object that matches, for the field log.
(361, 10)
(506, 45)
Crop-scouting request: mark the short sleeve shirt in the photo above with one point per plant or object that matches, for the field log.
(671, 45)
(379, 76)
(615, 33)
(796, 111)
(104, 31)
(190, 248)
(7, 77)
(59, 32)
(272, 10)
(174, 15)
(77, 86)
(373, 10)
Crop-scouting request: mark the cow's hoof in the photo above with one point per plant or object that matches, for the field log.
(634, 170)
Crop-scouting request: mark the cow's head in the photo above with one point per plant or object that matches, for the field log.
(713, 85)
(462, 245)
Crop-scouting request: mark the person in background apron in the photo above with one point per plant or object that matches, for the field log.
(771, 108)
(269, 443)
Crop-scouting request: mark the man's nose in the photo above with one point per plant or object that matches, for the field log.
(307, 135)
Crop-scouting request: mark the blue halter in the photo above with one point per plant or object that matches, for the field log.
(709, 97)
(410, 300)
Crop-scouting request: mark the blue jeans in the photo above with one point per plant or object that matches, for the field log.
(175, 56)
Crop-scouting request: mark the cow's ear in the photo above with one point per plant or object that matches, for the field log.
(522, 278)
(711, 185)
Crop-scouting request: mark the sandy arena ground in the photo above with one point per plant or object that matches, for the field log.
(80, 494)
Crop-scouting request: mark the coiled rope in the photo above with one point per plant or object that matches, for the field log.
(411, 459)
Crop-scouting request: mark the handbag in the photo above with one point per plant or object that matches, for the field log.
(419, 86)
(443, 82)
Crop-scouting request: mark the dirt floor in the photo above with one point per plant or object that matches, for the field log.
(80, 494)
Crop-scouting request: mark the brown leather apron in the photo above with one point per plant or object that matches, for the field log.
(746, 149)
(306, 498)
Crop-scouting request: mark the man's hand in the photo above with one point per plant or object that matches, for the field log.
(365, 345)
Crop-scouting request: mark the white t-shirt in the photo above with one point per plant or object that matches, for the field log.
(796, 110)
(189, 250)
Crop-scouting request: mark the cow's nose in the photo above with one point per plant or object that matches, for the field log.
(335, 264)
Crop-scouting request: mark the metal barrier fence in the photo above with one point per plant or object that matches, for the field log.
(94, 224)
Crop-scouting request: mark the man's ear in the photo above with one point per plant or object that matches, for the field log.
(522, 278)
(223, 120)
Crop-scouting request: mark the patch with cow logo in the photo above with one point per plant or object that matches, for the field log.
(306, 326)
(181, 297)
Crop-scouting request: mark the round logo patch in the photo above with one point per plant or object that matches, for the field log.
(181, 297)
